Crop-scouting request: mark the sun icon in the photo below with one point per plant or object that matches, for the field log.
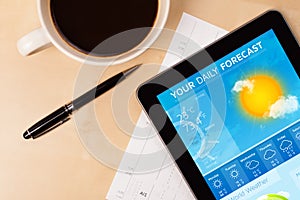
(234, 174)
(217, 183)
(261, 92)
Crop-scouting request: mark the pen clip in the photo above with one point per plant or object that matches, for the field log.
(52, 127)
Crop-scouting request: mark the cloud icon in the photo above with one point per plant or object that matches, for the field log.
(285, 145)
(240, 85)
(270, 153)
(252, 164)
(298, 136)
(283, 106)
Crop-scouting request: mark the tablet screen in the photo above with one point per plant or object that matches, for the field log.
(239, 120)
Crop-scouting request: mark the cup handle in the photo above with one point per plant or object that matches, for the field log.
(33, 42)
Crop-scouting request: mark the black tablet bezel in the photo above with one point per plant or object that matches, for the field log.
(147, 92)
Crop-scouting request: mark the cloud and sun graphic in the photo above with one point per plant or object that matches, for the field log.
(262, 96)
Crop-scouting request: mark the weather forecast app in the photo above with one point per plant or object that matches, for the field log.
(239, 119)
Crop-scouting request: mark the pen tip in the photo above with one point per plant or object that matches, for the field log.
(26, 135)
(131, 70)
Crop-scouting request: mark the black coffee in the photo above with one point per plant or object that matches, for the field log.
(85, 24)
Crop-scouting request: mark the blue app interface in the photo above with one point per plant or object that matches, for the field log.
(239, 119)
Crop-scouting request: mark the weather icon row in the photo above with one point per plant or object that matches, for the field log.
(255, 162)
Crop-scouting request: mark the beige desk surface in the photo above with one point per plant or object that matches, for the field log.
(57, 166)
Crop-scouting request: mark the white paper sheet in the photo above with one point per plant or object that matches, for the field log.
(165, 182)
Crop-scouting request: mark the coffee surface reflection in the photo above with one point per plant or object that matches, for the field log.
(117, 25)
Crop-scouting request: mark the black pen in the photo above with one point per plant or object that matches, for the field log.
(64, 113)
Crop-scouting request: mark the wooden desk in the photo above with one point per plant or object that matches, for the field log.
(57, 166)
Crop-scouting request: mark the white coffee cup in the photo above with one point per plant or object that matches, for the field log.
(48, 35)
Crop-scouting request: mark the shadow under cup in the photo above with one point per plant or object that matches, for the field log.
(104, 28)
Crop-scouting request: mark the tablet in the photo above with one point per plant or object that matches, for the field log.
(229, 114)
